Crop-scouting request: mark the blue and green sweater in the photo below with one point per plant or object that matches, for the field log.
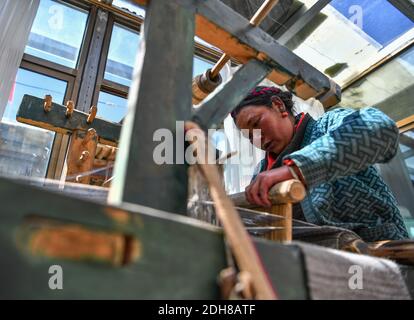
(336, 159)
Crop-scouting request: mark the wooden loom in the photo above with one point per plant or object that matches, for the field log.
(137, 231)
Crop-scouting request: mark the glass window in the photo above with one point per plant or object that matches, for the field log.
(390, 88)
(349, 36)
(24, 149)
(399, 176)
(121, 55)
(57, 33)
(407, 149)
(111, 107)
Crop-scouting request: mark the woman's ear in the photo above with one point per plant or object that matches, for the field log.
(278, 104)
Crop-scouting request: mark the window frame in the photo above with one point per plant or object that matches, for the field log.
(73, 76)
(406, 124)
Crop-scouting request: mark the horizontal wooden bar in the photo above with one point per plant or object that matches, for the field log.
(222, 27)
(290, 191)
(31, 112)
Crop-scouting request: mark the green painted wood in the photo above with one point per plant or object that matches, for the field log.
(181, 257)
(285, 267)
(160, 95)
(215, 108)
(31, 112)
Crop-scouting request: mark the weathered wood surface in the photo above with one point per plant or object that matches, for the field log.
(81, 155)
(178, 257)
(160, 95)
(219, 25)
(169, 265)
(238, 239)
(31, 112)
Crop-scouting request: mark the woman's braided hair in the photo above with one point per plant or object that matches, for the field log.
(262, 96)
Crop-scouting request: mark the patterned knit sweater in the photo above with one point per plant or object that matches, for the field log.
(344, 189)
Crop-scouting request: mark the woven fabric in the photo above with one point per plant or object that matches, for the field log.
(334, 274)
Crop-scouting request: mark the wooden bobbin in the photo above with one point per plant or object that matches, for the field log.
(81, 155)
(47, 105)
(92, 114)
(70, 106)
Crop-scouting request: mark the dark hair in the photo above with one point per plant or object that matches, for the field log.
(262, 96)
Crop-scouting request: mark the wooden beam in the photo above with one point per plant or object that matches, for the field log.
(31, 112)
(167, 264)
(219, 25)
(90, 73)
(160, 96)
(218, 104)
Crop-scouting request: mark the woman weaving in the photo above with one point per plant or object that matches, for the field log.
(332, 156)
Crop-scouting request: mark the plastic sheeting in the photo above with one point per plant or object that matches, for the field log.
(16, 19)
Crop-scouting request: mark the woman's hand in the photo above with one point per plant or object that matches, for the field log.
(258, 191)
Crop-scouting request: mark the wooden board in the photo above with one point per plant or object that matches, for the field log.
(179, 257)
(31, 112)
(160, 96)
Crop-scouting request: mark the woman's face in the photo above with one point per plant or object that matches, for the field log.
(265, 127)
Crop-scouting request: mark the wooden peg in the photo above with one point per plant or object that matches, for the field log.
(92, 114)
(90, 135)
(47, 105)
(70, 106)
(112, 156)
(83, 157)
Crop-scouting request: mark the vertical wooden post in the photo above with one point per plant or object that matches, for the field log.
(285, 234)
(159, 96)
(81, 155)
(90, 72)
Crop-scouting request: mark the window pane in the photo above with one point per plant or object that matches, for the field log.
(121, 55)
(407, 149)
(57, 33)
(349, 36)
(390, 88)
(200, 66)
(25, 150)
(399, 176)
(111, 107)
